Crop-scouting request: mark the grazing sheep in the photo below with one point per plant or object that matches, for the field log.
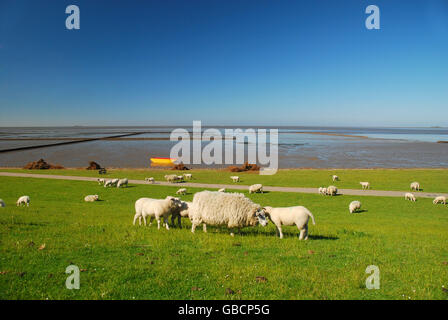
(157, 209)
(335, 178)
(150, 180)
(188, 176)
(2, 203)
(354, 206)
(409, 196)
(439, 199)
(255, 188)
(181, 212)
(289, 216)
(415, 186)
(222, 190)
(181, 191)
(332, 191)
(122, 182)
(235, 178)
(114, 182)
(139, 208)
(91, 198)
(108, 183)
(365, 185)
(231, 209)
(172, 178)
(322, 190)
(101, 181)
(23, 200)
(180, 178)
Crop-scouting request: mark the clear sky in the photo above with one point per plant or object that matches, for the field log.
(266, 62)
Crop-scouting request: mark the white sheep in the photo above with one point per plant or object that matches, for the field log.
(415, 186)
(322, 190)
(439, 199)
(91, 198)
(354, 206)
(332, 191)
(25, 200)
(188, 176)
(335, 178)
(101, 181)
(365, 185)
(181, 191)
(139, 208)
(409, 196)
(108, 183)
(150, 180)
(233, 210)
(122, 182)
(2, 203)
(289, 216)
(114, 182)
(255, 188)
(159, 209)
(172, 178)
(235, 178)
(222, 190)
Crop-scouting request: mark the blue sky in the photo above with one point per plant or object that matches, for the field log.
(224, 62)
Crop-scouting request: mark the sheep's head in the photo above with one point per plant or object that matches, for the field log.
(261, 216)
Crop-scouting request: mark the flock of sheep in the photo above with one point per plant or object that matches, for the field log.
(233, 210)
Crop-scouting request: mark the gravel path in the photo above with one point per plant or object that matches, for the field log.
(352, 192)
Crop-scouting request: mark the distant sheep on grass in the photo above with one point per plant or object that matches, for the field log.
(354, 206)
(256, 188)
(409, 196)
(415, 186)
(181, 191)
(156, 209)
(25, 200)
(439, 199)
(122, 183)
(2, 203)
(332, 191)
(322, 190)
(235, 178)
(365, 185)
(91, 198)
(150, 180)
(335, 178)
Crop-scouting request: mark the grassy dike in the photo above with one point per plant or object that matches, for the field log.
(407, 241)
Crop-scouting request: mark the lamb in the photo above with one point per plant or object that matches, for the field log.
(439, 199)
(108, 183)
(354, 206)
(171, 178)
(255, 188)
(289, 216)
(235, 178)
(122, 182)
(332, 191)
(2, 203)
(322, 190)
(150, 180)
(101, 181)
(415, 186)
(409, 196)
(365, 185)
(157, 209)
(182, 212)
(91, 198)
(231, 209)
(114, 182)
(335, 178)
(188, 176)
(139, 208)
(23, 200)
(180, 178)
(181, 191)
(222, 190)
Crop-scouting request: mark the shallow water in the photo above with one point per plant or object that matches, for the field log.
(383, 147)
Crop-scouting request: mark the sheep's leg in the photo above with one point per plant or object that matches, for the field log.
(280, 233)
(158, 223)
(151, 219)
(179, 222)
(140, 220)
(166, 223)
(135, 218)
(144, 220)
(204, 228)
(304, 233)
(193, 227)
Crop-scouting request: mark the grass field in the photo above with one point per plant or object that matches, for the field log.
(407, 241)
(431, 180)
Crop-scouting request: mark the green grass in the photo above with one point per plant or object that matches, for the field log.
(407, 241)
(431, 180)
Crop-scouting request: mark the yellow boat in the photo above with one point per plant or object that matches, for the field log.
(163, 161)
